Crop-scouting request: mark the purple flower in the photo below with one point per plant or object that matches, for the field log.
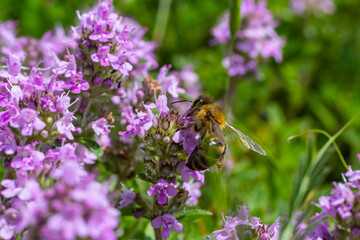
(353, 176)
(7, 141)
(194, 192)
(257, 227)
(85, 155)
(7, 230)
(64, 125)
(100, 126)
(69, 172)
(318, 7)
(68, 223)
(255, 39)
(187, 172)
(168, 222)
(11, 188)
(31, 191)
(14, 64)
(27, 120)
(127, 198)
(103, 56)
(229, 228)
(169, 82)
(189, 139)
(142, 123)
(28, 159)
(163, 189)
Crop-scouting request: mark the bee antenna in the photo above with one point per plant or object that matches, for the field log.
(184, 100)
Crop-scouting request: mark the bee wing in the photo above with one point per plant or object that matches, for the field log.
(216, 130)
(246, 140)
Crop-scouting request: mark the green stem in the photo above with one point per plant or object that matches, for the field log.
(162, 17)
(158, 233)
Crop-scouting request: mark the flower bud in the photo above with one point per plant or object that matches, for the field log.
(107, 84)
(140, 93)
(12, 216)
(44, 133)
(49, 120)
(138, 213)
(157, 136)
(166, 139)
(97, 81)
(165, 125)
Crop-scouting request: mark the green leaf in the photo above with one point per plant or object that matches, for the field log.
(92, 146)
(191, 214)
(149, 232)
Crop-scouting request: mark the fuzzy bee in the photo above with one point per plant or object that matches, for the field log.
(210, 122)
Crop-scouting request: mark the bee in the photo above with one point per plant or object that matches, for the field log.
(209, 122)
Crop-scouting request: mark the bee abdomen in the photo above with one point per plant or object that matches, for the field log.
(197, 160)
(203, 158)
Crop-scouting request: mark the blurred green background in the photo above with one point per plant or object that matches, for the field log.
(316, 86)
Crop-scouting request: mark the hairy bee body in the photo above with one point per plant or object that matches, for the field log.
(210, 148)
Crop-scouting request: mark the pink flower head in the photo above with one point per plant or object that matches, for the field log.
(168, 222)
(163, 189)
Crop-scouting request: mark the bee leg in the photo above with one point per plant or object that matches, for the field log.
(220, 164)
(190, 125)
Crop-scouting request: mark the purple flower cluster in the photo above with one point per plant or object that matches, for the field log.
(256, 39)
(341, 207)
(318, 7)
(70, 209)
(60, 97)
(242, 226)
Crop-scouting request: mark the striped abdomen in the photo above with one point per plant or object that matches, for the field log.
(208, 151)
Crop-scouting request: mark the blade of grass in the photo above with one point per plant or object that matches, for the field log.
(306, 181)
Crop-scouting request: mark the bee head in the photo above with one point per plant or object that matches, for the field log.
(198, 103)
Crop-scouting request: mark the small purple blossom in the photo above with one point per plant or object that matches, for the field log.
(7, 141)
(163, 189)
(253, 227)
(168, 222)
(28, 159)
(103, 56)
(64, 125)
(194, 192)
(169, 82)
(187, 172)
(100, 126)
(127, 198)
(188, 137)
(27, 120)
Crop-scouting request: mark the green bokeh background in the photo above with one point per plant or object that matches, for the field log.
(316, 86)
